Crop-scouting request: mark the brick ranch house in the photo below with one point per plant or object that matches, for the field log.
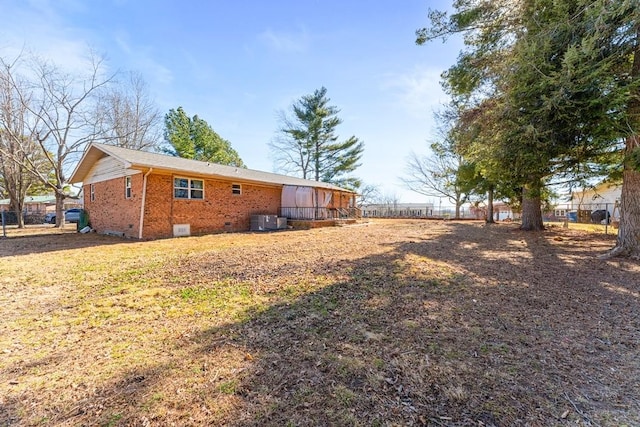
(148, 195)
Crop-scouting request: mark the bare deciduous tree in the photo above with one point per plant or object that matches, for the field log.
(128, 117)
(60, 117)
(437, 175)
(17, 146)
(290, 152)
(368, 194)
(390, 200)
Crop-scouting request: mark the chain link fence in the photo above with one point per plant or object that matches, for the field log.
(601, 217)
(30, 217)
(597, 216)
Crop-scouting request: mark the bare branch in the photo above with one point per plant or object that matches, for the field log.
(436, 175)
(57, 111)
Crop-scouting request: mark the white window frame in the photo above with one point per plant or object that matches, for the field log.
(190, 189)
(92, 192)
(127, 187)
(236, 189)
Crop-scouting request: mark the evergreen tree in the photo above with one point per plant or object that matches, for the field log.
(307, 144)
(564, 76)
(193, 138)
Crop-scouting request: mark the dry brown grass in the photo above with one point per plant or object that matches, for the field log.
(609, 229)
(391, 323)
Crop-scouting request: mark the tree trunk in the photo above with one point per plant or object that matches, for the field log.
(531, 208)
(14, 185)
(628, 242)
(20, 216)
(489, 218)
(316, 155)
(457, 215)
(59, 210)
(16, 205)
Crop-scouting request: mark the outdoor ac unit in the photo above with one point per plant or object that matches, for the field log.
(264, 222)
(282, 222)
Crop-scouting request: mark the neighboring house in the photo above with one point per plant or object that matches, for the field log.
(503, 212)
(32, 204)
(35, 208)
(42, 204)
(598, 197)
(583, 203)
(404, 210)
(418, 210)
(148, 195)
(604, 197)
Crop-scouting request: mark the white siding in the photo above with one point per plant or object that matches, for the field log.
(602, 194)
(108, 168)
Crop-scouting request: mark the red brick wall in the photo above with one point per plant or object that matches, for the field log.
(219, 211)
(111, 210)
(157, 211)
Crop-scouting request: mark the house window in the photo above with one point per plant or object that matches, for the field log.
(127, 187)
(92, 192)
(236, 189)
(187, 188)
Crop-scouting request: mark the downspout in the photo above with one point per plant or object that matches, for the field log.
(144, 197)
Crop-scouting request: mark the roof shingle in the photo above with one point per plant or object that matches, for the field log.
(144, 159)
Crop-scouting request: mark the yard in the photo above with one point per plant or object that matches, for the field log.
(394, 322)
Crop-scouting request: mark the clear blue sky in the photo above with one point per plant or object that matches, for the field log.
(236, 63)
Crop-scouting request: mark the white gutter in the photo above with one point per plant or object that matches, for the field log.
(144, 197)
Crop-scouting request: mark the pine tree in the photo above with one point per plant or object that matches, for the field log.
(307, 144)
(193, 138)
(565, 74)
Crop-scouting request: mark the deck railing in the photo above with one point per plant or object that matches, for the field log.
(319, 213)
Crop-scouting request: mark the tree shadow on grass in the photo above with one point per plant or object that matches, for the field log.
(54, 242)
(437, 330)
(434, 332)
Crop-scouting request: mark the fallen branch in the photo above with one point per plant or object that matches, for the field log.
(582, 414)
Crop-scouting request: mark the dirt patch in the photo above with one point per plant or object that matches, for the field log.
(390, 323)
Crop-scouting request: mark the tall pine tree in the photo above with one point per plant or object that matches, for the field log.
(307, 144)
